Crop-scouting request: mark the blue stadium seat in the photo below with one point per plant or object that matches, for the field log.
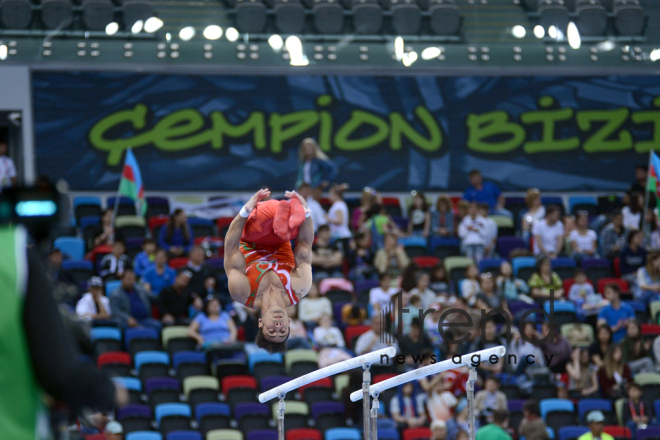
(184, 435)
(172, 409)
(263, 434)
(78, 265)
(343, 434)
(388, 434)
(490, 264)
(587, 405)
(505, 245)
(385, 424)
(72, 247)
(86, 200)
(144, 435)
(412, 241)
(151, 357)
(111, 286)
(562, 262)
(105, 333)
(184, 357)
(560, 306)
(212, 408)
(89, 220)
(572, 432)
(553, 201)
(130, 383)
(140, 333)
(520, 262)
(577, 202)
(549, 405)
(261, 356)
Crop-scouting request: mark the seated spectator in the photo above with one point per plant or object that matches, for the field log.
(490, 237)
(440, 402)
(526, 354)
(361, 258)
(549, 234)
(582, 375)
(652, 232)
(326, 335)
(616, 314)
(632, 214)
(490, 399)
(438, 282)
(442, 218)
(613, 236)
(318, 213)
(374, 340)
(423, 291)
(379, 223)
(298, 337)
(497, 429)
(595, 422)
(470, 286)
(633, 256)
(353, 314)
(514, 289)
(414, 305)
(313, 306)
(584, 241)
(648, 279)
(407, 407)
(130, 303)
(114, 264)
(174, 301)
(93, 304)
(432, 324)
(419, 218)
(473, 232)
(637, 412)
(144, 259)
(408, 280)
(415, 342)
(545, 283)
(582, 293)
(203, 280)
(489, 299)
(555, 348)
(105, 233)
(615, 375)
(488, 339)
(535, 212)
(485, 192)
(392, 258)
(65, 287)
(438, 430)
(599, 348)
(367, 202)
(212, 326)
(637, 350)
(532, 426)
(176, 237)
(327, 258)
(159, 275)
(579, 334)
(459, 422)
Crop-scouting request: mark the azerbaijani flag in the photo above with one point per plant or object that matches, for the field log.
(131, 185)
(652, 184)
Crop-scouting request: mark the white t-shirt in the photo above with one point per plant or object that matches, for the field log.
(86, 307)
(7, 171)
(318, 213)
(631, 220)
(379, 296)
(491, 232)
(584, 242)
(339, 231)
(326, 337)
(307, 177)
(548, 235)
(533, 218)
(477, 236)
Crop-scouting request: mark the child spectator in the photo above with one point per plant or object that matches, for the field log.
(423, 291)
(513, 289)
(532, 426)
(470, 287)
(545, 283)
(473, 232)
(584, 241)
(176, 236)
(327, 258)
(599, 348)
(313, 306)
(419, 222)
(407, 407)
(380, 297)
(442, 218)
(159, 275)
(637, 350)
(583, 381)
(114, 264)
(392, 258)
(438, 281)
(582, 293)
(616, 314)
(535, 212)
(614, 376)
(613, 236)
(637, 412)
(549, 234)
(491, 231)
(145, 258)
(361, 258)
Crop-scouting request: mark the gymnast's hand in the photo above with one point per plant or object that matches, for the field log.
(292, 194)
(256, 198)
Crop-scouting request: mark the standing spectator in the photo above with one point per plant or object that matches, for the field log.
(497, 429)
(485, 192)
(419, 222)
(535, 212)
(145, 259)
(632, 214)
(7, 167)
(392, 258)
(318, 213)
(490, 399)
(159, 275)
(545, 283)
(617, 314)
(490, 238)
(361, 258)
(555, 348)
(615, 375)
(314, 167)
(175, 300)
(438, 430)
(114, 264)
(130, 303)
(203, 281)
(442, 218)
(338, 217)
(633, 257)
(423, 291)
(595, 422)
(582, 293)
(367, 202)
(637, 350)
(603, 342)
(212, 326)
(637, 412)
(532, 426)
(407, 407)
(380, 297)
(327, 258)
(614, 235)
(374, 340)
(313, 306)
(438, 281)
(648, 279)
(470, 286)
(584, 241)
(582, 375)
(93, 304)
(513, 289)
(65, 288)
(176, 237)
(549, 234)
(105, 233)
(473, 231)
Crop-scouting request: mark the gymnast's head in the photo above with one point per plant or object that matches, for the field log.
(274, 330)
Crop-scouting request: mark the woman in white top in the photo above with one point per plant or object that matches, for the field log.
(632, 214)
(535, 212)
(313, 306)
(584, 241)
(470, 286)
(338, 217)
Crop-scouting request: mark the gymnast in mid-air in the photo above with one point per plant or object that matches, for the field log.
(264, 272)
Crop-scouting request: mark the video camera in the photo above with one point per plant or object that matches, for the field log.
(38, 208)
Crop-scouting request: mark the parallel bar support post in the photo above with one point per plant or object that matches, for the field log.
(472, 378)
(374, 418)
(366, 382)
(280, 417)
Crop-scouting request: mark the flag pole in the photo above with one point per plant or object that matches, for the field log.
(117, 197)
(646, 195)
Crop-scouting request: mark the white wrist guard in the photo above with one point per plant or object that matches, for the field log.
(308, 213)
(244, 212)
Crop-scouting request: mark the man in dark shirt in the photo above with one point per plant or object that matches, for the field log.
(415, 343)
(633, 255)
(174, 301)
(65, 288)
(202, 281)
(488, 339)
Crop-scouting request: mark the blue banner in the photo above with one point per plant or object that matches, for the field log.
(208, 133)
